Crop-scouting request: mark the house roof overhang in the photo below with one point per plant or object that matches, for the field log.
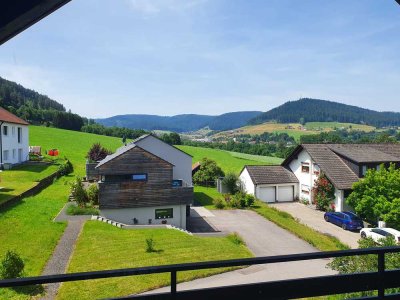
(16, 16)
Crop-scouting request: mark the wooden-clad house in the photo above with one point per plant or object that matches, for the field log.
(139, 187)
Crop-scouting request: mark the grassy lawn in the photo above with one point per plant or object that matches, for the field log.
(286, 221)
(118, 248)
(27, 227)
(204, 196)
(226, 160)
(22, 178)
(71, 144)
(259, 158)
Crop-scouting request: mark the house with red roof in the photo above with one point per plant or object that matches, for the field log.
(14, 139)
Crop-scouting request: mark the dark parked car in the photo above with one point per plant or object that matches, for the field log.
(347, 220)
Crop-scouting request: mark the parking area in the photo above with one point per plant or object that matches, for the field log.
(315, 219)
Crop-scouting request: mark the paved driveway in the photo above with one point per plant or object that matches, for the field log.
(263, 238)
(315, 219)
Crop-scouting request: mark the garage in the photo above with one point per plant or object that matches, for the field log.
(269, 183)
(266, 194)
(285, 193)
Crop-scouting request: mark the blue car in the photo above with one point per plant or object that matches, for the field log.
(347, 220)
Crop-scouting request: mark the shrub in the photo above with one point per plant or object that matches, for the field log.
(12, 266)
(74, 210)
(219, 203)
(250, 199)
(238, 200)
(231, 181)
(323, 192)
(236, 239)
(93, 194)
(209, 172)
(97, 153)
(78, 192)
(150, 245)
(65, 168)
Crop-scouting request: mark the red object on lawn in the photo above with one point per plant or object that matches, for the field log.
(53, 152)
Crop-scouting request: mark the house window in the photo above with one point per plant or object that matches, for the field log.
(378, 167)
(14, 153)
(5, 130)
(316, 169)
(305, 167)
(305, 189)
(164, 213)
(19, 135)
(13, 130)
(5, 155)
(364, 170)
(139, 177)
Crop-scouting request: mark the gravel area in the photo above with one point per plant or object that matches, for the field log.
(59, 261)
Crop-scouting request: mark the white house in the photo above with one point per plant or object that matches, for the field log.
(269, 183)
(342, 164)
(14, 139)
(146, 182)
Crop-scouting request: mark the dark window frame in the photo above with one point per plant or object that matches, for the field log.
(305, 166)
(159, 216)
(5, 130)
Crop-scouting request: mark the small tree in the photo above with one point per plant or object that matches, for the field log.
(12, 266)
(93, 194)
(209, 171)
(377, 196)
(323, 192)
(97, 152)
(231, 181)
(78, 192)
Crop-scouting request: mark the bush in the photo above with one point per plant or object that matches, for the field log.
(12, 266)
(150, 245)
(78, 192)
(323, 192)
(250, 199)
(219, 203)
(93, 194)
(74, 210)
(236, 239)
(209, 172)
(97, 153)
(65, 168)
(231, 181)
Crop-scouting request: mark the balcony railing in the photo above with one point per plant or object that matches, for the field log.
(284, 289)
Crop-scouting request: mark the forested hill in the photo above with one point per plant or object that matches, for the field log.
(315, 110)
(181, 123)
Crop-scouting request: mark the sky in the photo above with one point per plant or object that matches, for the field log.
(109, 57)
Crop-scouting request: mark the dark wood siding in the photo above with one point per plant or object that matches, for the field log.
(119, 191)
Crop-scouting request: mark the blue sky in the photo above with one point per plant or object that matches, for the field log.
(167, 57)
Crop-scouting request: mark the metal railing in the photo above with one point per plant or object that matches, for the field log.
(284, 289)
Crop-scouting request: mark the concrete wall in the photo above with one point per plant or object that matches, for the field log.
(182, 162)
(10, 143)
(143, 214)
(248, 184)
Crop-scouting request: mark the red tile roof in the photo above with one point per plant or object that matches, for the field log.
(6, 116)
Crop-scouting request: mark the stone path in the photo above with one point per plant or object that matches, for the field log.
(59, 261)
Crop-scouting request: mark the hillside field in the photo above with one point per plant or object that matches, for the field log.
(229, 161)
(296, 130)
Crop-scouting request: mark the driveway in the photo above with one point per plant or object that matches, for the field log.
(263, 238)
(315, 219)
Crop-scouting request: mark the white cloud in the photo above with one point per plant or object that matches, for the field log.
(157, 6)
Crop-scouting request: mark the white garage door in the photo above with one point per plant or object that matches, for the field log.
(285, 193)
(266, 194)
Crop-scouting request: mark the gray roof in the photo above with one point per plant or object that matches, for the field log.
(366, 153)
(270, 175)
(117, 153)
(341, 176)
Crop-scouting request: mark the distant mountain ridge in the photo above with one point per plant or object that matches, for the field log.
(316, 110)
(181, 123)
